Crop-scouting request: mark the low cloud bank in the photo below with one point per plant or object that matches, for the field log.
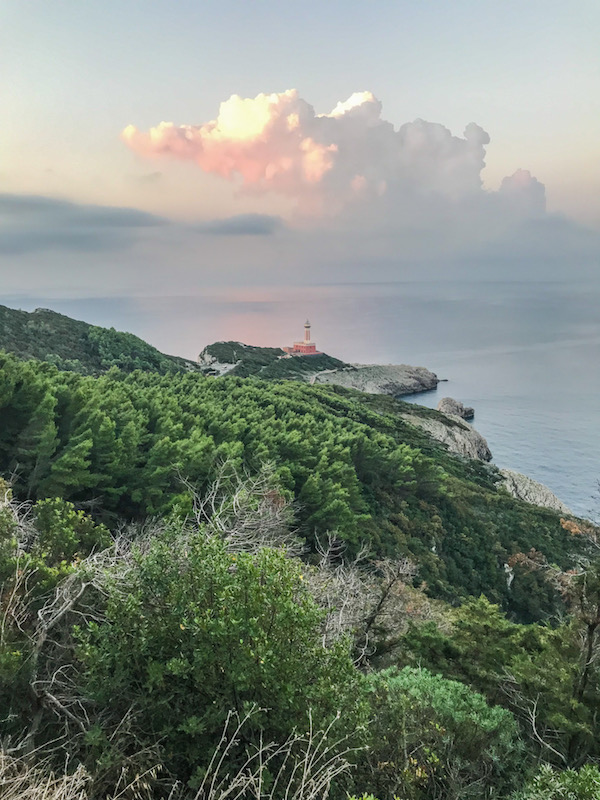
(242, 225)
(34, 223)
(30, 223)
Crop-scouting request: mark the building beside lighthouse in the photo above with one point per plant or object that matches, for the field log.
(304, 348)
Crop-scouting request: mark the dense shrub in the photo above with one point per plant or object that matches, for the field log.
(543, 673)
(201, 632)
(435, 739)
(550, 784)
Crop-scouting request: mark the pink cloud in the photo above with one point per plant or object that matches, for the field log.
(264, 140)
(329, 162)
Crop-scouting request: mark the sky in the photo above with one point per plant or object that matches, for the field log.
(157, 148)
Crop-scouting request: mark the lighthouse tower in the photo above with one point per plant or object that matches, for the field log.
(305, 347)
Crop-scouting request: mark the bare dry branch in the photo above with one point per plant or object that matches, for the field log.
(247, 511)
(358, 595)
(18, 781)
(301, 768)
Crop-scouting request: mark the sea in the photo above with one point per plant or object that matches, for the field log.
(525, 355)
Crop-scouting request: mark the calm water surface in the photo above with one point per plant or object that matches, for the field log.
(525, 355)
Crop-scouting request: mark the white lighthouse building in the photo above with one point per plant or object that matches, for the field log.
(304, 348)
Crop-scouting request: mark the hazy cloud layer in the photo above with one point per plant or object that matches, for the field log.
(242, 225)
(524, 193)
(374, 200)
(331, 162)
(31, 223)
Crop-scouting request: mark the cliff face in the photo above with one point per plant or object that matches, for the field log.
(455, 433)
(463, 439)
(393, 379)
(524, 488)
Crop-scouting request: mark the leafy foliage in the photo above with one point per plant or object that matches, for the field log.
(132, 654)
(176, 632)
(543, 674)
(40, 547)
(435, 738)
(203, 632)
(548, 784)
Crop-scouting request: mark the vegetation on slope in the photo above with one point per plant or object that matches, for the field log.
(367, 616)
(122, 444)
(204, 656)
(75, 346)
(79, 347)
(247, 360)
(300, 367)
(267, 362)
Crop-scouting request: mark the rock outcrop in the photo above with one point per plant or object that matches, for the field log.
(448, 405)
(525, 488)
(393, 379)
(455, 433)
(211, 364)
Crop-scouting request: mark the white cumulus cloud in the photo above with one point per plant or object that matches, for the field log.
(524, 193)
(327, 162)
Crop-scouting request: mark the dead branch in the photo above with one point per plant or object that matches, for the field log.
(358, 596)
(301, 768)
(247, 511)
(526, 709)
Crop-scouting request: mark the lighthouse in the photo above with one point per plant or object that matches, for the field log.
(304, 348)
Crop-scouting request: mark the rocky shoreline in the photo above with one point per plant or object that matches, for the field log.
(392, 379)
(458, 436)
(525, 488)
(448, 405)
(462, 439)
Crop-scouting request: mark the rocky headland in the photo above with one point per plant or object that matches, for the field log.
(458, 436)
(392, 379)
(237, 358)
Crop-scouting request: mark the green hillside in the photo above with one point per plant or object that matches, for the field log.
(76, 346)
(79, 347)
(266, 362)
(352, 465)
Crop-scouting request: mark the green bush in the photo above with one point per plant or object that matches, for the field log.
(200, 632)
(549, 668)
(39, 548)
(65, 534)
(570, 784)
(435, 739)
